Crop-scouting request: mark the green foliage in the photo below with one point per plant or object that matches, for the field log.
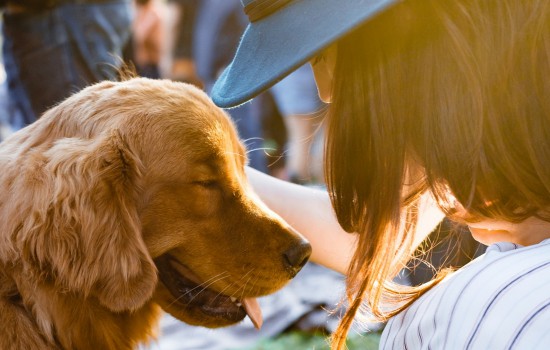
(307, 341)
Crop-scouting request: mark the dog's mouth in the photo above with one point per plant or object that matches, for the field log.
(189, 292)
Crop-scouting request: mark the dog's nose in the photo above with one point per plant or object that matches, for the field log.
(296, 257)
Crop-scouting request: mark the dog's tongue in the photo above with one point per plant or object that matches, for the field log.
(253, 310)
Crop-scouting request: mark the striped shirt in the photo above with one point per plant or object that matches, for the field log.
(500, 300)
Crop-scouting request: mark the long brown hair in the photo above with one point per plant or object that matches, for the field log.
(445, 96)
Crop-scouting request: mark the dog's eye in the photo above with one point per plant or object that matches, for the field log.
(207, 183)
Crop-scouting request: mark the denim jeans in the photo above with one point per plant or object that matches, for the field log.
(51, 54)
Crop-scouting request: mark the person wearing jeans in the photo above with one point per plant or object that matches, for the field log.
(55, 48)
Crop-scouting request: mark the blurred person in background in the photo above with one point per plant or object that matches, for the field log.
(148, 36)
(53, 48)
(182, 22)
(5, 110)
(208, 32)
(216, 31)
(299, 104)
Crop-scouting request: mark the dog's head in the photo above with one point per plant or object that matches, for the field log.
(215, 244)
(140, 193)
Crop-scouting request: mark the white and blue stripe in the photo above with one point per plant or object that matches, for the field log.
(501, 300)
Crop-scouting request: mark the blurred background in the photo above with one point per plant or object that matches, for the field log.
(6, 111)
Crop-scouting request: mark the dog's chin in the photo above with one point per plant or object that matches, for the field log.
(181, 294)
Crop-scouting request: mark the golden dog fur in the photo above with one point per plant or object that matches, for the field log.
(112, 202)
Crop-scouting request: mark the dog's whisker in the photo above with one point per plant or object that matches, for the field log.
(210, 281)
(223, 290)
(242, 278)
(246, 274)
(254, 287)
(244, 287)
(219, 276)
(277, 158)
(190, 291)
(236, 293)
(265, 149)
(235, 283)
(246, 141)
(205, 287)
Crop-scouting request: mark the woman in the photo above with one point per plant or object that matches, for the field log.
(437, 106)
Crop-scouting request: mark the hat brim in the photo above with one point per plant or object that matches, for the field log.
(276, 45)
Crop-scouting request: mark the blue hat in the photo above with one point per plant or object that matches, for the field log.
(282, 36)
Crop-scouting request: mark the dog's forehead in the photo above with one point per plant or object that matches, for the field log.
(208, 140)
(175, 120)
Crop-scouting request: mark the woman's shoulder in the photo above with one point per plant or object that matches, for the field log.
(500, 299)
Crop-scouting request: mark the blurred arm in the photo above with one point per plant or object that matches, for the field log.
(310, 212)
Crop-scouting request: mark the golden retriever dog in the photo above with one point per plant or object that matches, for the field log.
(125, 199)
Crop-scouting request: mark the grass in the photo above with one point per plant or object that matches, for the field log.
(306, 341)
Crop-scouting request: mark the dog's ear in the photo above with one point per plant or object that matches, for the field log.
(85, 230)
